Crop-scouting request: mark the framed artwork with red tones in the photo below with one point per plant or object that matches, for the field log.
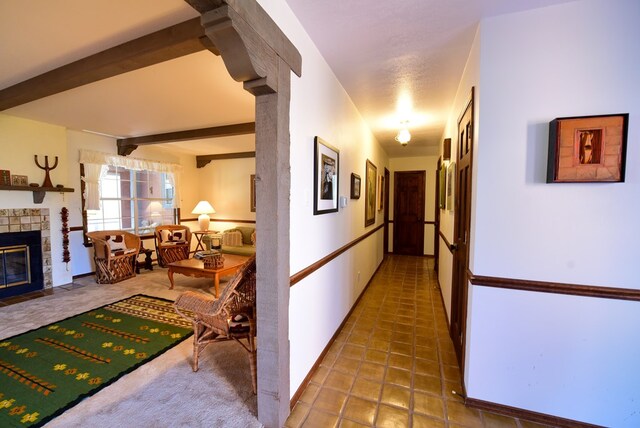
(587, 149)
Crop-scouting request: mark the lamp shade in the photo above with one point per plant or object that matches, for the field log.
(203, 208)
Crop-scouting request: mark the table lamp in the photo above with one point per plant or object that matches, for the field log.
(203, 208)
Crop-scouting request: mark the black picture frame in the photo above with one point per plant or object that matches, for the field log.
(326, 177)
(588, 149)
(355, 186)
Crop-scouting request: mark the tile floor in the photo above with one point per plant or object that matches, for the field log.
(393, 364)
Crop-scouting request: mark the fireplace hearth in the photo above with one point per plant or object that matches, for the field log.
(25, 251)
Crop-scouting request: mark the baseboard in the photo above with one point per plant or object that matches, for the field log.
(314, 368)
(528, 415)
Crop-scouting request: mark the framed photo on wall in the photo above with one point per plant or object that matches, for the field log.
(451, 186)
(380, 193)
(442, 182)
(587, 149)
(370, 179)
(355, 186)
(19, 180)
(252, 192)
(326, 177)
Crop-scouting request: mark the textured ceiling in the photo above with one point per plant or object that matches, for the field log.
(399, 55)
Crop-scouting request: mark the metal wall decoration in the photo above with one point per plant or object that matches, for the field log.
(66, 256)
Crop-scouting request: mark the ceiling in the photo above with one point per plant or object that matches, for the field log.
(387, 54)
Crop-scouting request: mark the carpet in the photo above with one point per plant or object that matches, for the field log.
(45, 371)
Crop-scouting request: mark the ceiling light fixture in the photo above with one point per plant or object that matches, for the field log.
(404, 136)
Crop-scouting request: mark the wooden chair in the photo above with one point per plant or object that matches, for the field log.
(115, 254)
(173, 243)
(231, 316)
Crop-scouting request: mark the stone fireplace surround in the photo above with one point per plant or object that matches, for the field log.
(27, 219)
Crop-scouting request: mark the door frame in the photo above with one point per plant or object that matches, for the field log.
(460, 278)
(436, 227)
(387, 176)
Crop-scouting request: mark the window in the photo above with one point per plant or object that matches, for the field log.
(135, 201)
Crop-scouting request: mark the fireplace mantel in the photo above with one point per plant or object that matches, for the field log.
(38, 192)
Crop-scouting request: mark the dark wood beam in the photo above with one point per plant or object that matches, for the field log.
(204, 160)
(128, 145)
(181, 39)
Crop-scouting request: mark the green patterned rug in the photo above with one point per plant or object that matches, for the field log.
(48, 370)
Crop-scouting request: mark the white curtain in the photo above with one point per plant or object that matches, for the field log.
(92, 175)
(173, 171)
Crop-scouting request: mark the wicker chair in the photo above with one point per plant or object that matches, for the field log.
(170, 250)
(114, 265)
(231, 316)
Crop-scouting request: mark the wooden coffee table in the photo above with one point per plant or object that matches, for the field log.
(195, 268)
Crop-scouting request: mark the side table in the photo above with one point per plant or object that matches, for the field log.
(148, 263)
(199, 234)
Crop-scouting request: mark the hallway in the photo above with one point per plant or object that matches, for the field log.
(393, 364)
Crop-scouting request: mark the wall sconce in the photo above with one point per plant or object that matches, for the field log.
(203, 208)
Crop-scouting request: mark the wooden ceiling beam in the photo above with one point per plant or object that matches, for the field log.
(172, 42)
(128, 145)
(203, 160)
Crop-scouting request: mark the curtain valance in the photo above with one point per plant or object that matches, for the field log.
(100, 158)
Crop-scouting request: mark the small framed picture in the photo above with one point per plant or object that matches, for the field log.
(252, 192)
(587, 149)
(19, 180)
(370, 179)
(5, 177)
(355, 186)
(326, 175)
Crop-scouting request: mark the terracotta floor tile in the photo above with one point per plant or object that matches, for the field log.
(371, 371)
(529, 424)
(401, 348)
(430, 384)
(492, 420)
(366, 388)
(352, 351)
(338, 380)
(428, 367)
(346, 423)
(320, 375)
(360, 410)
(396, 396)
(428, 405)
(297, 416)
(347, 365)
(422, 421)
(400, 361)
(309, 393)
(398, 377)
(330, 401)
(459, 414)
(320, 419)
(375, 356)
(391, 417)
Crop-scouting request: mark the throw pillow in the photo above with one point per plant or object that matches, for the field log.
(253, 238)
(246, 234)
(116, 242)
(232, 239)
(165, 235)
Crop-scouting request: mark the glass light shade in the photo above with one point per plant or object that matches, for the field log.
(203, 208)
(403, 136)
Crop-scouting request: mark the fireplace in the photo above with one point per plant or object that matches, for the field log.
(25, 251)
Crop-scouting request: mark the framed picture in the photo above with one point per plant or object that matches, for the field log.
(370, 178)
(252, 192)
(355, 186)
(19, 180)
(442, 182)
(326, 177)
(586, 149)
(451, 178)
(380, 193)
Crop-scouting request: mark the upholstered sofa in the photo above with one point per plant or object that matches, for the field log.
(239, 240)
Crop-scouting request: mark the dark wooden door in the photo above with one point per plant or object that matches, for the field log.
(385, 205)
(462, 222)
(436, 228)
(408, 212)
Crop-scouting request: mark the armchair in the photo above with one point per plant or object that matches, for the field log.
(115, 254)
(231, 316)
(173, 243)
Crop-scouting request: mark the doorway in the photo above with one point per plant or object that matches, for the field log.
(462, 222)
(408, 212)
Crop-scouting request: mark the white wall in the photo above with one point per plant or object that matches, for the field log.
(321, 107)
(568, 356)
(20, 140)
(470, 79)
(428, 164)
